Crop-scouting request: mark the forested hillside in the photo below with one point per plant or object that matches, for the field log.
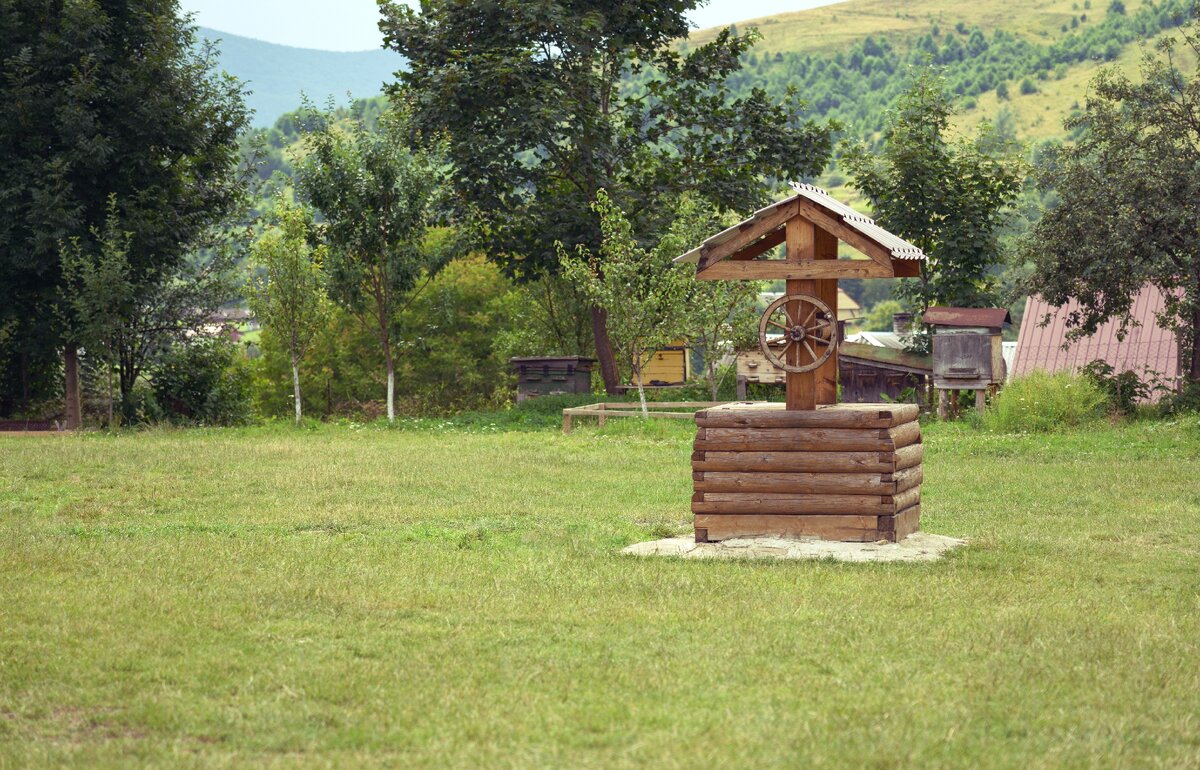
(277, 75)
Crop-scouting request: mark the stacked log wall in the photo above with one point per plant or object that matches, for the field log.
(840, 472)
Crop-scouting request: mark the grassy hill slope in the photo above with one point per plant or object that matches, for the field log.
(278, 75)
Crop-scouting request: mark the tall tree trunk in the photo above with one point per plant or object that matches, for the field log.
(391, 383)
(712, 378)
(112, 396)
(296, 386)
(604, 351)
(71, 370)
(637, 372)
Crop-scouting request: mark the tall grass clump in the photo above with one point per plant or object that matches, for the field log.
(1044, 403)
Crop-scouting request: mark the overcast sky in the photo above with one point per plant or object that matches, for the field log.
(350, 25)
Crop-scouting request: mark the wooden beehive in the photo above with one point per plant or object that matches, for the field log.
(839, 472)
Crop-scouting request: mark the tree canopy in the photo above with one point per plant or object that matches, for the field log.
(1128, 191)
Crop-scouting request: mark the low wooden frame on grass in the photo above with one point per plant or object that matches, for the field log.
(602, 411)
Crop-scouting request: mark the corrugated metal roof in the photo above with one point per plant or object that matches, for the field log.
(878, 339)
(1147, 346)
(966, 316)
(898, 247)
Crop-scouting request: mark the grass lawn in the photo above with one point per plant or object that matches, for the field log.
(350, 596)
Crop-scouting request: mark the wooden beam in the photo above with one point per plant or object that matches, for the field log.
(748, 232)
(769, 241)
(778, 270)
(801, 243)
(827, 291)
(845, 232)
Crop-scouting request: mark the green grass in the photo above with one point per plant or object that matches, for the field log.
(453, 597)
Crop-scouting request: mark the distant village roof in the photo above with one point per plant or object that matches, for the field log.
(1147, 346)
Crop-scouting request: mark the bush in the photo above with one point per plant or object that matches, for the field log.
(205, 382)
(1046, 403)
(1124, 390)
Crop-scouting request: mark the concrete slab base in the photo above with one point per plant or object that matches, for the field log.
(919, 546)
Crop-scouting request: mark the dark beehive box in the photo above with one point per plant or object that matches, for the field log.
(552, 375)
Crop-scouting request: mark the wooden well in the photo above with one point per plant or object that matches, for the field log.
(810, 467)
(837, 472)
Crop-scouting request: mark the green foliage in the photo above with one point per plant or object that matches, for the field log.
(375, 193)
(1124, 390)
(204, 383)
(551, 317)
(103, 101)
(1046, 403)
(286, 290)
(880, 317)
(717, 315)
(947, 198)
(1127, 215)
(642, 293)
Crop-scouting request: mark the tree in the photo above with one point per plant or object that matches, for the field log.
(97, 294)
(375, 193)
(716, 314)
(641, 292)
(543, 104)
(1127, 214)
(287, 289)
(947, 198)
(125, 321)
(99, 100)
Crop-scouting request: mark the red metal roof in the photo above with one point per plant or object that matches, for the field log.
(1147, 346)
(966, 316)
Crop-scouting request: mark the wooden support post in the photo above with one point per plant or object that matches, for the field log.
(826, 247)
(801, 246)
(742, 388)
(566, 423)
(980, 400)
(941, 395)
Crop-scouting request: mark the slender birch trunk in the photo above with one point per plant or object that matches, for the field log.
(296, 386)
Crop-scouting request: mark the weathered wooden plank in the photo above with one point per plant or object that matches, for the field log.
(759, 247)
(907, 478)
(909, 456)
(796, 439)
(794, 483)
(896, 528)
(748, 232)
(795, 504)
(846, 528)
(905, 435)
(821, 417)
(902, 500)
(778, 270)
(795, 462)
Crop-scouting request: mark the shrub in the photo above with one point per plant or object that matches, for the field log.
(1045, 403)
(204, 382)
(1123, 390)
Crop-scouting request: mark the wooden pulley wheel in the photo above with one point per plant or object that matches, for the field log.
(801, 321)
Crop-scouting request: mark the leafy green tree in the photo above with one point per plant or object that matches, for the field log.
(641, 292)
(1127, 214)
(716, 314)
(99, 100)
(880, 317)
(97, 295)
(126, 321)
(947, 198)
(376, 194)
(286, 289)
(544, 104)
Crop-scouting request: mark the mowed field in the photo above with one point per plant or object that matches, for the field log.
(443, 598)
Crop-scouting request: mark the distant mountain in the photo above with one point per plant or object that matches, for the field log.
(277, 75)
